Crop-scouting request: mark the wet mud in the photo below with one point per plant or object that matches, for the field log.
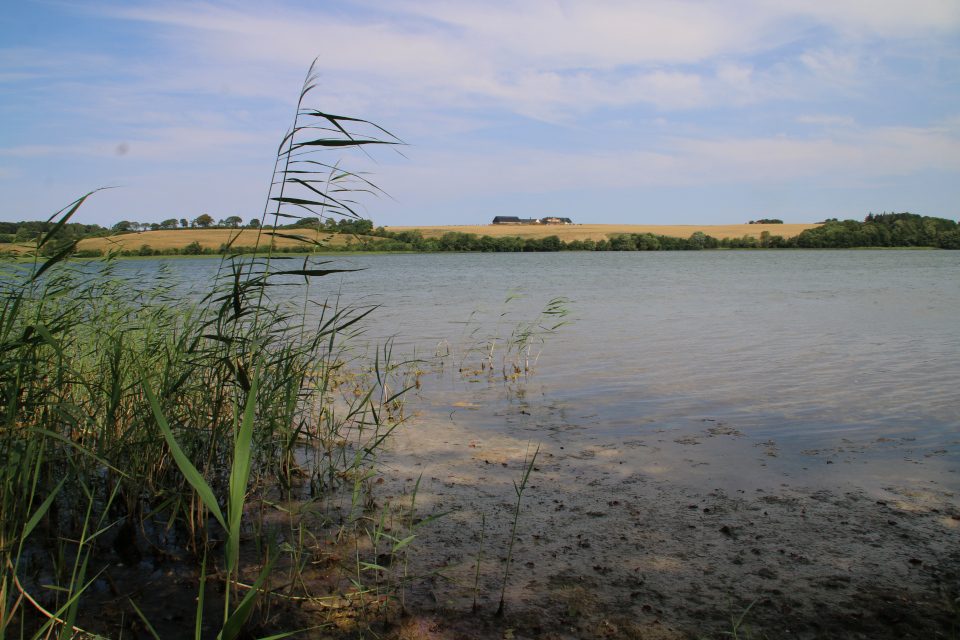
(691, 530)
(675, 532)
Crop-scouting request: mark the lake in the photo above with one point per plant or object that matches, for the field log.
(854, 354)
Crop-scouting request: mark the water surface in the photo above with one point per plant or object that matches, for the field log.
(810, 349)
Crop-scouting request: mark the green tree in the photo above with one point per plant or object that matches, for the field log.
(192, 249)
(622, 242)
(233, 222)
(647, 242)
(203, 220)
(169, 224)
(184, 223)
(551, 243)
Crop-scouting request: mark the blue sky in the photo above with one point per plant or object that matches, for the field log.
(642, 112)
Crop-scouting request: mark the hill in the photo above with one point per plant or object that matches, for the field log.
(568, 233)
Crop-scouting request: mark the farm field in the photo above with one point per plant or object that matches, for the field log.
(213, 238)
(568, 233)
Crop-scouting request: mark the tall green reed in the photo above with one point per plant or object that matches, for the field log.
(518, 489)
(127, 400)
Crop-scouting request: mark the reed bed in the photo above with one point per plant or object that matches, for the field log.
(140, 417)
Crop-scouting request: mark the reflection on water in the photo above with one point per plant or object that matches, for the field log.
(804, 347)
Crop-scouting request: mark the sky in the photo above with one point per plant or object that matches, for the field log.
(603, 111)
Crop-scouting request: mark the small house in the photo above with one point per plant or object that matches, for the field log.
(516, 220)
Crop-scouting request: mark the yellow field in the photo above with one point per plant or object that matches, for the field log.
(603, 231)
(212, 238)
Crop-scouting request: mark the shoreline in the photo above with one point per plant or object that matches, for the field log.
(347, 254)
(607, 532)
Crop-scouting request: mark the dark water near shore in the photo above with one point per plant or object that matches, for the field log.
(810, 349)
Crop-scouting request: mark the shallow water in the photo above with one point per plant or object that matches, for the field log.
(809, 350)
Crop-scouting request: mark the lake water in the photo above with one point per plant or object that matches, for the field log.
(807, 350)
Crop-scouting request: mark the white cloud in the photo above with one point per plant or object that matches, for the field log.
(847, 159)
(542, 57)
(876, 18)
(650, 92)
(827, 120)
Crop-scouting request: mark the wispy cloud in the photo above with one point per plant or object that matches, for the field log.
(505, 97)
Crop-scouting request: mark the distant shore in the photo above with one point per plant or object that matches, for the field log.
(213, 238)
(570, 232)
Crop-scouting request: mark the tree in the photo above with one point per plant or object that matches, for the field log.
(203, 220)
(169, 224)
(184, 223)
(550, 243)
(154, 226)
(123, 225)
(192, 249)
(254, 224)
(233, 221)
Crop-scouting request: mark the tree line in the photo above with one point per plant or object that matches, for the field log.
(876, 230)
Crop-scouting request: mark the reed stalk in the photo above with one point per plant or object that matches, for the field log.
(518, 489)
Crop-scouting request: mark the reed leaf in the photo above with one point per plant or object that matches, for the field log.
(194, 477)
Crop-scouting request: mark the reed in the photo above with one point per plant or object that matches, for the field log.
(138, 411)
(739, 627)
(476, 575)
(515, 349)
(518, 489)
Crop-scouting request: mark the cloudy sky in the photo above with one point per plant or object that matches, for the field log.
(607, 111)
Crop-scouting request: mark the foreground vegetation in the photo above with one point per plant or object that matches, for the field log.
(142, 418)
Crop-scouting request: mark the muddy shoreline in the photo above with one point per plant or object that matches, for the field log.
(670, 534)
(679, 531)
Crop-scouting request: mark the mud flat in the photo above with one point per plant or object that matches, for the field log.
(668, 534)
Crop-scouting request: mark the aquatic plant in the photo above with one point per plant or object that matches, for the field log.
(514, 349)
